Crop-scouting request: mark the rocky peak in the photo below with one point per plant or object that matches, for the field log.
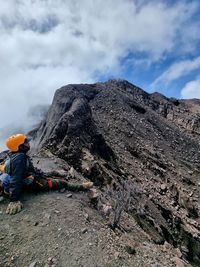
(114, 132)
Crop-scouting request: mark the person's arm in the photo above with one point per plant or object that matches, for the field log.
(33, 171)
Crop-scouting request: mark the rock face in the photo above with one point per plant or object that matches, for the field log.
(142, 150)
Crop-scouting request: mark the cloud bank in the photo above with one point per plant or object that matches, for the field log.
(47, 44)
(191, 89)
(177, 70)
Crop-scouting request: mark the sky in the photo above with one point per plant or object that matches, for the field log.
(45, 44)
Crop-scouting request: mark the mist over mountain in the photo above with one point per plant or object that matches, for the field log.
(30, 121)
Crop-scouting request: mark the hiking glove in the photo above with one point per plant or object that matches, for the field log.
(14, 207)
(87, 185)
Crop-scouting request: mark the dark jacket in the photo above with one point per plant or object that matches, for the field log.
(21, 167)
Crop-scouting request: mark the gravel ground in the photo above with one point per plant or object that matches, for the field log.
(60, 229)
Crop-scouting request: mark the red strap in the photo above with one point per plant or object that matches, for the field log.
(50, 183)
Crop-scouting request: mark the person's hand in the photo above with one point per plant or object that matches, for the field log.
(87, 185)
(14, 207)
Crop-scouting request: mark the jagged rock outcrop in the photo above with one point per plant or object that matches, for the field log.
(115, 132)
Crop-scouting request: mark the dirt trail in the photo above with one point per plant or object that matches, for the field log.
(54, 229)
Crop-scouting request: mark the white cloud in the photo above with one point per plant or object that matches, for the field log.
(177, 70)
(191, 89)
(45, 44)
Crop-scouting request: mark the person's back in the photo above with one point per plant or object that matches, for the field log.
(18, 173)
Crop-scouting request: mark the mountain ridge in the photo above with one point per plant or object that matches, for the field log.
(148, 137)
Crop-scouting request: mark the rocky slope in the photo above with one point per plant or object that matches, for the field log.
(142, 153)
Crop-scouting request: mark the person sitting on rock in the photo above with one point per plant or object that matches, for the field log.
(20, 174)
